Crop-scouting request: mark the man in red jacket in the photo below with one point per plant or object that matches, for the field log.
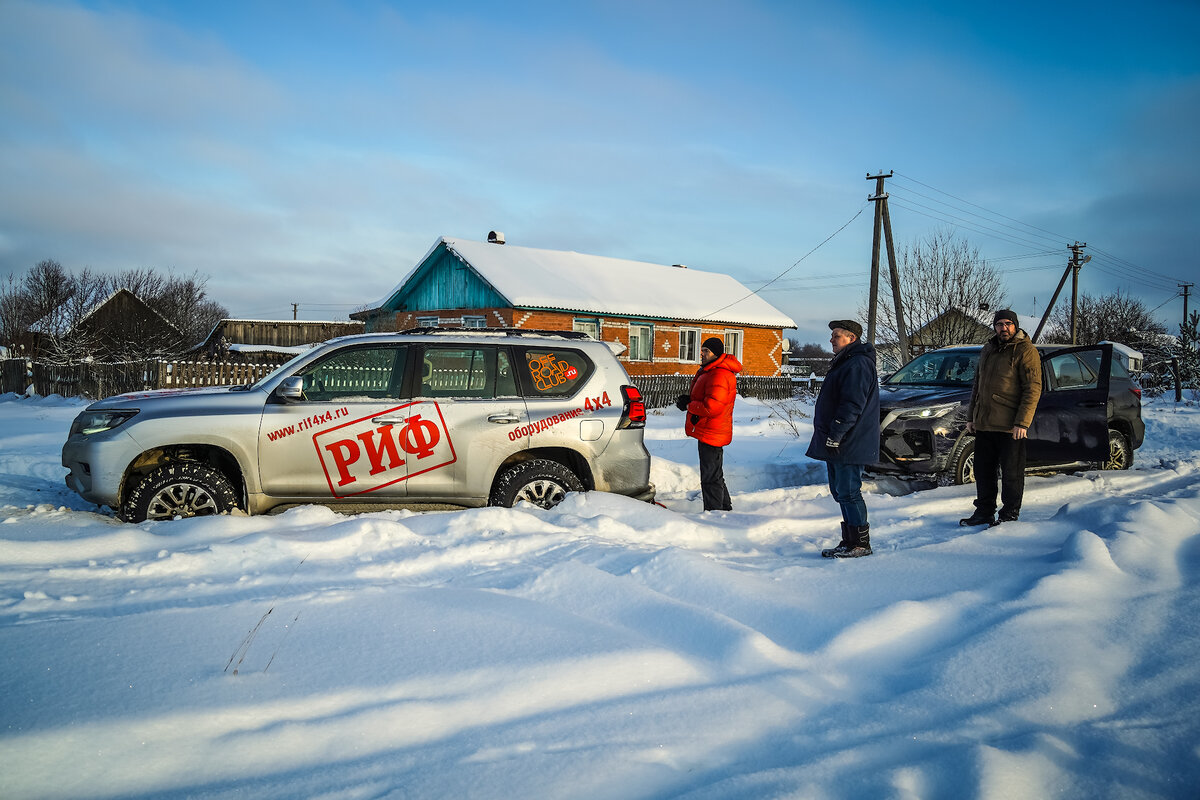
(709, 419)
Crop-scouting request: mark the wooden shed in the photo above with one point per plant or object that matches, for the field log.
(239, 338)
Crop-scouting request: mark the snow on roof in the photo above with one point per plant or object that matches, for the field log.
(270, 348)
(558, 279)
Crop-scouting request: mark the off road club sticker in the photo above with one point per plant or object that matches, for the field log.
(362, 456)
(548, 371)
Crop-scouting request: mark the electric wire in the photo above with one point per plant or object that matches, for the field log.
(793, 266)
(1027, 229)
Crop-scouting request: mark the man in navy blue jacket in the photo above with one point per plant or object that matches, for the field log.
(846, 432)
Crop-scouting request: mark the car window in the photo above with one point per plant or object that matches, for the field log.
(939, 368)
(506, 376)
(356, 374)
(554, 372)
(470, 372)
(1074, 371)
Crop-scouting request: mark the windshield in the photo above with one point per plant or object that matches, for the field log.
(949, 368)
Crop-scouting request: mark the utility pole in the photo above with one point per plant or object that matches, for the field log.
(1076, 249)
(1185, 287)
(295, 308)
(883, 222)
(1072, 266)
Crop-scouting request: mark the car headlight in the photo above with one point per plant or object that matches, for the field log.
(90, 422)
(929, 412)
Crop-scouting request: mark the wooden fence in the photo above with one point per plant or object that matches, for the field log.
(660, 391)
(95, 380)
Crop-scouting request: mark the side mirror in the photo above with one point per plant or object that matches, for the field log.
(291, 388)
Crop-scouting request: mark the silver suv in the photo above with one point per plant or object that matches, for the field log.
(428, 418)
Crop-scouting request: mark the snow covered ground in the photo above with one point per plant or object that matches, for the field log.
(609, 648)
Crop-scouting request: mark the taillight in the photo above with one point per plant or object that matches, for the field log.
(1137, 390)
(634, 414)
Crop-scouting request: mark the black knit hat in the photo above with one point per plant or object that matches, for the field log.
(715, 346)
(847, 325)
(1006, 314)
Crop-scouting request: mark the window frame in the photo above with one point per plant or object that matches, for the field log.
(740, 337)
(695, 333)
(584, 325)
(649, 355)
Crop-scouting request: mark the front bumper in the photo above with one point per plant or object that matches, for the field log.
(915, 446)
(96, 465)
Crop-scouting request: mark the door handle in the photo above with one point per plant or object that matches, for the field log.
(388, 420)
(504, 419)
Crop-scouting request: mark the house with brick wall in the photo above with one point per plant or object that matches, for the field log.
(656, 315)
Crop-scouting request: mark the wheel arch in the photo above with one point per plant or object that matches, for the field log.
(214, 456)
(563, 455)
(1123, 427)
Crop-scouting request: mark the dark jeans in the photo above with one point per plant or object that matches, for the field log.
(998, 456)
(845, 483)
(712, 478)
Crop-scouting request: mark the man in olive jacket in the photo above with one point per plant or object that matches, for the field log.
(1008, 383)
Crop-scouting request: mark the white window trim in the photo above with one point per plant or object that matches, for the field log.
(741, 342)
(649, 358)
(699, 339)
(590, 321)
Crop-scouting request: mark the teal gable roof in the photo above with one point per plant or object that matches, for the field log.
(443, 280)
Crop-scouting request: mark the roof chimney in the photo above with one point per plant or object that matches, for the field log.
(495, 237)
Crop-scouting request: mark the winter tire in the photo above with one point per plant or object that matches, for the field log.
(179, 489)
(540, 481)
(1120, 454)
(962, 463)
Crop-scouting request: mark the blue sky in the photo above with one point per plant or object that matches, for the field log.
(311, 152)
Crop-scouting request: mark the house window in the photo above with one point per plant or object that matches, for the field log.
(689, 344)
(427, 322)
(589, 326)
(733, 344)
(474, 322)
(641, 343)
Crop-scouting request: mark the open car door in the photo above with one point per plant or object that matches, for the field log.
(1071, 421)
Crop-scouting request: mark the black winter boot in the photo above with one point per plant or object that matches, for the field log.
(858, 546)
(842, 546)
(978, 518)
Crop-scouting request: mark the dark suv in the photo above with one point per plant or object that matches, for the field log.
(1090, 413)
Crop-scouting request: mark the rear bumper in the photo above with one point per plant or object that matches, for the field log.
(646, 495)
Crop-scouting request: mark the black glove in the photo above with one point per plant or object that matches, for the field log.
(830, 444)
(682, 401)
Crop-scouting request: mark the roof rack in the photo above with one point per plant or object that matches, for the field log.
(492, 332)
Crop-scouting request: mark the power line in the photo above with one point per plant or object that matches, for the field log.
(1128, 264)
(793, 266)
